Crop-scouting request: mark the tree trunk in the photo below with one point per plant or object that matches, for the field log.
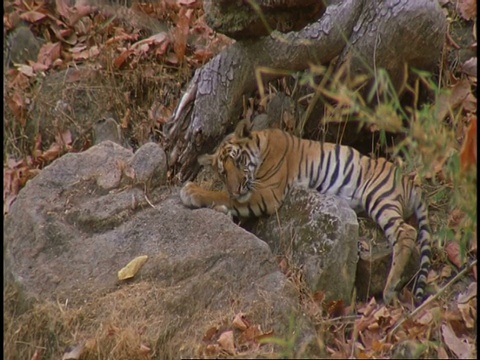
(378, 34)
(391, 33)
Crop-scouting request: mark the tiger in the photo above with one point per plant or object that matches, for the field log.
(258, 169)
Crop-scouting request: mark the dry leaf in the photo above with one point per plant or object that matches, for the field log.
(172, 58)
(469, 67)
(49, 53)
(455, 218)
(283, 265)
(75, 353)
(62, 8)
(11, 20)
(363, 323)
(210, 334)
(251, 333)
(467, 8)
(448, 102)
(442, 353)
(226, 342)
(86, 54)
(159, 113)
(202, 55)
(373, 326)
(51, 154)
(469, 313)
(468, 155)
(37, 67)
(32, 16)
(262, 337)
(64, 139)
(132, 268)
(212, 350)
(381, 313)
(466, 303)
(425, 319)
(80, 12)
(191, 3)
(446, 271)
(453, 253)
(239, 322)
(145, 349)
(469, 104)
(156, 39)
(73, 15)
(462, 349)
(36, 355)
(26, 70)
(380, 346)
(368, 309)
(121, 36)
(469, 294)
(66, 35)
(319, 296)
(181, 32)
(122, 58)
(336, 308)
(78, 48)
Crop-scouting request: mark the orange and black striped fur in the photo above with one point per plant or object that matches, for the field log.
(260, 167)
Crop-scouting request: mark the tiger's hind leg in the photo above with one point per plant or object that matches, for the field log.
(402, 250)
(403, 238)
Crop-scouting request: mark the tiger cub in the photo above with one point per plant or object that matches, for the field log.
(260, 167)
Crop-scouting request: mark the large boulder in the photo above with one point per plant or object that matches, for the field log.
(320, 235)
(82, 219)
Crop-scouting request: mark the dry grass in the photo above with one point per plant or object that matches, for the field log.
(125, 324)
(136, 321)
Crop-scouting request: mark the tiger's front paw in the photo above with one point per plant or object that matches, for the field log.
(191, 195)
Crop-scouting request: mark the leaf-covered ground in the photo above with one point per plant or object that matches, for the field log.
(121, 41)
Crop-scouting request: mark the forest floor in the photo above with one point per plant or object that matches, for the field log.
(148, 73)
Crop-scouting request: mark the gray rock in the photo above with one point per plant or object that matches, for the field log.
(321, 234)
(260, 122)
(281, 112)
(150, 165)
(375, 258)
(74, 226)
(107, 129)
(23, 46)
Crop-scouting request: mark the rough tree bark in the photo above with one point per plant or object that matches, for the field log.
(376, 34)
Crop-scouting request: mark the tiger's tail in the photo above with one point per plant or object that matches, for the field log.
(424, 239)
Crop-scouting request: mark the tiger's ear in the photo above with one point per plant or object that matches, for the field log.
(206, 160)
(243, 129)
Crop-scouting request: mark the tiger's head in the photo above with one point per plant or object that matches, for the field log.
(237, 160)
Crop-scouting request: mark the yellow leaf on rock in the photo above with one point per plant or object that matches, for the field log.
(132, 268)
